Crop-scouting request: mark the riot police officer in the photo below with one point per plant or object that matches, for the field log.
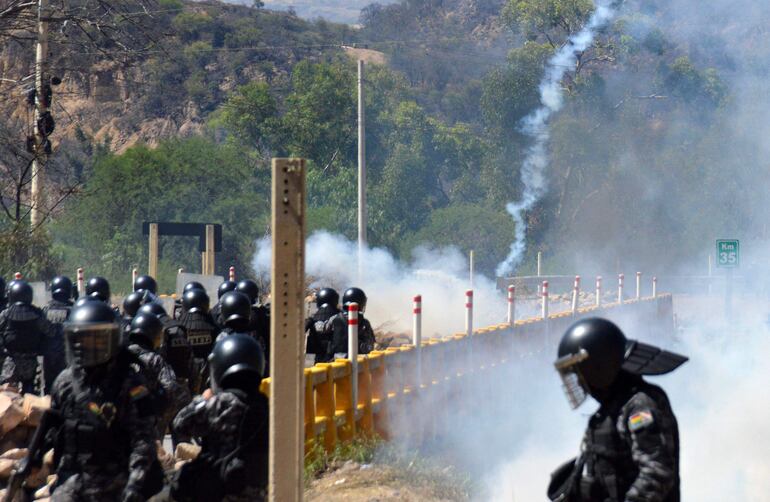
(57, 312)
(201, 333)
(318, 329)
(98, 287)
(175, 348)
(25, 333)
(104, 446)
(3, 297)
(630, 452)
(145, 337)
(231, 425)
(146, 283)
(236, 314)
(260, 317)
(340, 325)
(215, 312)
(178, 308)
(131, 305)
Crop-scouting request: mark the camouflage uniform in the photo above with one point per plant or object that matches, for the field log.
(160, 377)
(339, 325)
(201, 332)
(631, 448)
(54, 362)
(25, 334)
(320, 333)
(231, 422)
(104, 448)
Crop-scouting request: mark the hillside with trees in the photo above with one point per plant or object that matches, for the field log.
(190, 127)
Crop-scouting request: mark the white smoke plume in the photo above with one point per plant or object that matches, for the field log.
(535, 125)
(441, 276)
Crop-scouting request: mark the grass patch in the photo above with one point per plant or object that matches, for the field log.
(361, 449)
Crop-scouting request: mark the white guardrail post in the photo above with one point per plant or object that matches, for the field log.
(353, 351)
(511, 306)
(620, 287)
(598, 291)
(575, 294)
(638, 285)
(417, 338)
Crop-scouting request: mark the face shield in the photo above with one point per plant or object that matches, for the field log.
(572, 380)
(90, 345)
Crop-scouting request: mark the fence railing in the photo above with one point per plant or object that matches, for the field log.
(388, 388)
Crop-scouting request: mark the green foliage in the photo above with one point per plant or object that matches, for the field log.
(30, 253)
(549, 19)
(192, 180)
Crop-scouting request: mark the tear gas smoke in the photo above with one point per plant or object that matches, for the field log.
(439, 275)
(535, 125)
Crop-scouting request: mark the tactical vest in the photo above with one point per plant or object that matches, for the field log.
(176, 349)
(200, 331)
(22, 334)
(57, 312)
(609, 469)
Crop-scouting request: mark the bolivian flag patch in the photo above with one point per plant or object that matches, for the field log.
(138, 392)
(640, 420)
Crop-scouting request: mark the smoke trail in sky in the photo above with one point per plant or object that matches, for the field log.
(535, 126)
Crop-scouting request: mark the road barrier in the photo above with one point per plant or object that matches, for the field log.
(386, 394)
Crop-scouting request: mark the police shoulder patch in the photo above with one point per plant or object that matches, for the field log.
(640, 420)
(138, 392)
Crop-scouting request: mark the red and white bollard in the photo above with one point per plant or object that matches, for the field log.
(81, 281)
(134, 275)
(353, 350)
(511, 305)
(638, 285)
(17, 276)
(598, 291)
(575, 294)
(620, 287)
(231, 274)
(654, 287)
(544, 313)
(180, 271)
(469, 312)
(417, 338)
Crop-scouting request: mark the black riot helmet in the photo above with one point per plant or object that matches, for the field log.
(354, 295)
(61, 288)
(594, 351)
(236, 361)
(99, 288)
(327, 296)
(196, 300)
(192, 285)
(132, 303)
(92, 334)
(155, 309)
(225, 287)
(146, 283)
(19, 291)
(86, 299)
(146, 330)
(250, 289)
(235, 310)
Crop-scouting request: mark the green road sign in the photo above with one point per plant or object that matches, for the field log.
(728, 253)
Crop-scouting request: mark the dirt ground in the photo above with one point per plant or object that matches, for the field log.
(380, 483)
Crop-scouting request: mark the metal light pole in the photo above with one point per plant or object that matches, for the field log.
(362, 218)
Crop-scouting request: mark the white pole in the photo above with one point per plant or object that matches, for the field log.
(362, 218)
(620, 287)
(81, 282)
(417, 338)
(575, 294)
(469, 313)
(598, 291)
(134, 275)
(17, 276)
(511, 305)
(544, 313)
(353, 350)
(539, 263)
(654, 287)
(638, 285)
(231, 274)
(470, 263)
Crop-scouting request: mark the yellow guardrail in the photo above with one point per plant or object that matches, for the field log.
(387, 384)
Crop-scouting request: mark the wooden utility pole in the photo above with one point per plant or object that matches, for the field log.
(210, 261)
(287, 357)
(362, 217)
(42, 95)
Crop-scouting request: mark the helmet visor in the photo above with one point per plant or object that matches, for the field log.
(572, 380)
(92, 345)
